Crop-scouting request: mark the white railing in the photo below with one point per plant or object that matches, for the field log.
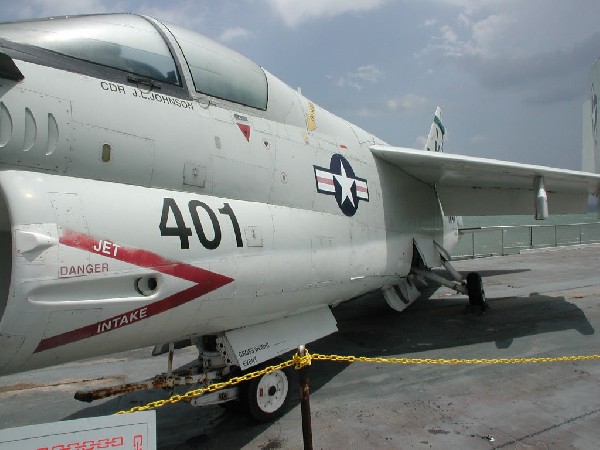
(506, 240)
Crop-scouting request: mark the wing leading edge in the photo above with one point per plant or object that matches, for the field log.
(470, 186)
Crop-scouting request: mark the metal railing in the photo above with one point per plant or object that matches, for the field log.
(507, 240)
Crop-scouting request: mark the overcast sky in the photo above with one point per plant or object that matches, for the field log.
(511, 76)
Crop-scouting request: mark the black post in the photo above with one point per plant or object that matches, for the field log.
(305, 403)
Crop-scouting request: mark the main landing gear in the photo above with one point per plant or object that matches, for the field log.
(472, 286)
(476, 293)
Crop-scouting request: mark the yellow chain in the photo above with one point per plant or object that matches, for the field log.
(350, 359)
(301, 361)
(211, 388)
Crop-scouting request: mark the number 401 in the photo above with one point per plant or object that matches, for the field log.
(183, 232)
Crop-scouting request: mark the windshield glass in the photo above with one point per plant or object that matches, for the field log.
(121, 41)
(220, 72)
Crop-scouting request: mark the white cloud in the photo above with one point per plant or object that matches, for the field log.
(489, 32)
(295, 12)
(483, 28)
(407, 102)
(481, 37)
(186, 13)
(343, 82)
(429, 22)
(368, 73)
(45, 8)
(233, 33)
(472, 6)
(503, 27)
(463, 20)
(511, 46)
(449, 37)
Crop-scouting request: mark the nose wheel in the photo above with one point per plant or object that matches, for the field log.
(266, 397)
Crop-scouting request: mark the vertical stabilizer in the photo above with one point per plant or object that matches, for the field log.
(435, 140)
(588, 158)
(591, 125)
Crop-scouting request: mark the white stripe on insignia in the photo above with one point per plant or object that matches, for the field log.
(324, 181)
(362, 191)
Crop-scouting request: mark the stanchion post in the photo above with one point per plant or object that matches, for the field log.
(530, 237)
(305, 403)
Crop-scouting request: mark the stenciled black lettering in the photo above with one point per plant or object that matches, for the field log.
(170, 208)
(180, 230)
(207, 243)
(226, 210)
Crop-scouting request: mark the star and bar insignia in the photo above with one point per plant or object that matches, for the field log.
(339, 180)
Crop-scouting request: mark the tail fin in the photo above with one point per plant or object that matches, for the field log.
(435, 140)
(591, 125)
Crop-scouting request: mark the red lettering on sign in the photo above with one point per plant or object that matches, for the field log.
(138, 442)
(82, 269)
(114, 442)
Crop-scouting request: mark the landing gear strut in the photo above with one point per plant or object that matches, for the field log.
(472, 286)
(264, 398)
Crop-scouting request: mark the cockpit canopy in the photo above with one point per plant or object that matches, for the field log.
(136, 45)
(219, 71)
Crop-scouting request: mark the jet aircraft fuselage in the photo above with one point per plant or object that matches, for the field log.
(156, 186)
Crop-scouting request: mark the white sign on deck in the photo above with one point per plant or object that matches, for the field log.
(135, 431)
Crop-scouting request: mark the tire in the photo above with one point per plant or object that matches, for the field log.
(266, 397)
(475, 289)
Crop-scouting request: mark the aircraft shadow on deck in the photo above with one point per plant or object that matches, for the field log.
(445, 323)
(367, 327)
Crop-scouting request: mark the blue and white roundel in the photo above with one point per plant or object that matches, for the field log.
(339, 180)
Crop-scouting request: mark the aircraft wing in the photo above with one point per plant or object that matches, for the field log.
(470, 186)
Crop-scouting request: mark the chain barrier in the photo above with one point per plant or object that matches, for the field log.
(301, 361)
(210, 388)
(351, 359)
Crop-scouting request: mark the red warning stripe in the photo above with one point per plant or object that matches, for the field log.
(206, 281)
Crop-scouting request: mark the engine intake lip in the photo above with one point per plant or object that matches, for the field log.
(5, 252)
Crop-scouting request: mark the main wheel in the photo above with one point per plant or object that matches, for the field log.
(475, 289)
(266, 397)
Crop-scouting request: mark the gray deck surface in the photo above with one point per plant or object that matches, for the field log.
(543, 304)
